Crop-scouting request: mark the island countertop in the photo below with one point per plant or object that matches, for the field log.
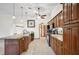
(16, 36)
(59, 37)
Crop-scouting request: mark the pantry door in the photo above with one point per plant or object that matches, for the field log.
(42, 30)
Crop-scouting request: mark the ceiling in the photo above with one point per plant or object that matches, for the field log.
(29, 9)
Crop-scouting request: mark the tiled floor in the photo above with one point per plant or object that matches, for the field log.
(39, 47)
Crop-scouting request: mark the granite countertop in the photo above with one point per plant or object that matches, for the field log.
(16, 36)
(59, 37)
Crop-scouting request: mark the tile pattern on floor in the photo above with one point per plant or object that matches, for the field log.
(39, 47)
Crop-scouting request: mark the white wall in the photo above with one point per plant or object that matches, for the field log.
(6, 25)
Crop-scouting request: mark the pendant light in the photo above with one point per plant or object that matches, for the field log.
(13, 17)
(21, 14)
(37, 13)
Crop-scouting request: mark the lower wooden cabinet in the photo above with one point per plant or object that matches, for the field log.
(71, 39)
(56, 46)
(26, 42)
(16, 46)
(11, 47)
(66, 51)
(21, 45)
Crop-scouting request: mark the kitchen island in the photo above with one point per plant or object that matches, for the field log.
(14, 44)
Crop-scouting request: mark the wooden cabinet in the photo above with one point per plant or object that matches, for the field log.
(66, 51)
(71, 28)
(71, 33)
(11, 47)
(66, 41)
(16, 46)
(56, 45)
(60, 19)
(57, 20)
(21, 45)
(71, 12)
(75, 12)
(75, 38)
(65, 12)
(26, 42)
(54, 21)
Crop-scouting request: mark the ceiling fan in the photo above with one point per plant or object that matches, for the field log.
(38, 14)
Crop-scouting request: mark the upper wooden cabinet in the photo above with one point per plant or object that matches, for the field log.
(75, 12)
(60, 18)
(71, 12)
(57, 20)
(65, 12)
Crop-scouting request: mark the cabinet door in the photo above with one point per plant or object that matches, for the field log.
(65, 12)
(22, 45)
(11, 46)
(75, 40)
(61, 19)
(66, 51)
(67, 36)
(74, 11)
(69, 11)
(57, 20)
(54, 45)
(26, 42)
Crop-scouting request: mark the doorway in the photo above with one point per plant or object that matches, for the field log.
(42, 30)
